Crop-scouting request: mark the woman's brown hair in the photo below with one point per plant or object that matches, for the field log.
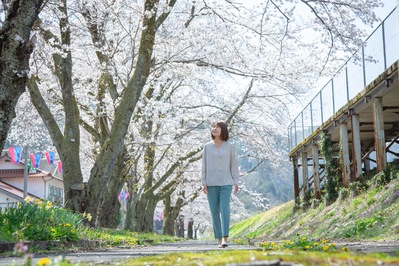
(224, 132)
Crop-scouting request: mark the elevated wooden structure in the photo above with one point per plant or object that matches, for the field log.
(367, 125)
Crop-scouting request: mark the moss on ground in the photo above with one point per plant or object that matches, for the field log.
(225, 257)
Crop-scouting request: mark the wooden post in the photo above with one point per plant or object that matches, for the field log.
(296, 177)
(346, 171)
(379, 135)
(305, 172)
(316, 170)
(356, 148)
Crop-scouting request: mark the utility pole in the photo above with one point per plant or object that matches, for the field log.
(26, 173)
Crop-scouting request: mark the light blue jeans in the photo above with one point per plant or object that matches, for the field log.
(219, 204)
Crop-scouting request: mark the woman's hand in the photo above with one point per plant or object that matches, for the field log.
(205, 189)
(235, 188)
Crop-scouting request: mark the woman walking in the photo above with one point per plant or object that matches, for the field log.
(219, 175)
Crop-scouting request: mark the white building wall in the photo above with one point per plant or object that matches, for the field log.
(6, 164)
(35, 185)
(7, 201)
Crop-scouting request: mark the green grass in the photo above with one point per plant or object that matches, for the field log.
(224, 257)
(262, 224)
(372, 215)
(40, 221)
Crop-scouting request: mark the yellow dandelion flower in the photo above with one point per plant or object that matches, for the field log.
(316, 244)
(44, 261)
(27, 199)
(52, 230)
(89, 217)
(72, 231)
(325, 248)
(67, 225)
(49, 204)
(307, 247)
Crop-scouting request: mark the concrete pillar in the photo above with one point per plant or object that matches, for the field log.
(356, 148)
(367, 166)
(316, 171)
(379, 135)
(296, 177)
(346, 170)
(305, 172)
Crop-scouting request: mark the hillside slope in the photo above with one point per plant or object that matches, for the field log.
(372, 215)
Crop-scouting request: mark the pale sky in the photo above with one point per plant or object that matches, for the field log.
(388, 7)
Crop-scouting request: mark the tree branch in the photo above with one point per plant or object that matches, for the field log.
(44, 112)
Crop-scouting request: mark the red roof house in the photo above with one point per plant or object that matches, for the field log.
(41, 184)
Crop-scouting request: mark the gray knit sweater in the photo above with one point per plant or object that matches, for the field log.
(219, 165)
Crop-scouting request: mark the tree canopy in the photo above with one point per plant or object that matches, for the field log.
(126, 90)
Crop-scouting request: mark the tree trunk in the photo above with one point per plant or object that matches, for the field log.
(131, 202)
(68, 142)
(114, 145)
(170, 215)
(75, 190)
(143, 217)
(190, 228)
(111, 206)
(15, 50)
(129, 214)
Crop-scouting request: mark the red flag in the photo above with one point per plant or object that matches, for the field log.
(59, 167)
(49, 156)
(15, 154)
(12, 154)
(35, 159)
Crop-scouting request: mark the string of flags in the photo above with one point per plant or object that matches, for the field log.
(16, 153)
(35, 160)
(49, 156)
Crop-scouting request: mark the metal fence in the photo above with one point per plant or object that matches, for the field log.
(380, 51)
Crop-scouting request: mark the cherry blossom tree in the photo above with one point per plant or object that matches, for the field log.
(129, 88)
